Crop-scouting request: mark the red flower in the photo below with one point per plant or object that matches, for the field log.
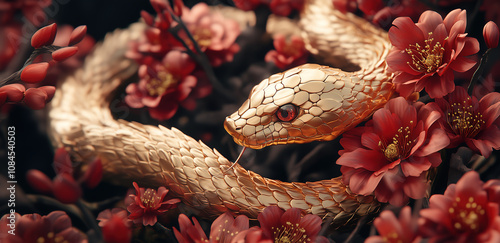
(490, 34)
(115, 225)
(214, 34)
(466, 120)
(390, 155)
(426, 54)
(147, 204)
(288, 53)
(391, 229)
(290, 226)
(462, 214)
(54, 227)
(160, 89)
(223, 229)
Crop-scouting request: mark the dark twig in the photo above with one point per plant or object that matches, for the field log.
(200, 58)
(478, 72)
(162, 229)
(89, 219)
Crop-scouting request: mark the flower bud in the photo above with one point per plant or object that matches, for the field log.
(35, 98)
(44, 36)
(64, 53)
(490, 34)
(39, 181)
(77, 35)
(35, 72)
(66, 189)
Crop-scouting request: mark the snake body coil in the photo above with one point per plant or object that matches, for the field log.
(200, 176)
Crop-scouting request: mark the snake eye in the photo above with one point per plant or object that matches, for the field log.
(287, 112)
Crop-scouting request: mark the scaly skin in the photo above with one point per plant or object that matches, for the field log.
(157, 156)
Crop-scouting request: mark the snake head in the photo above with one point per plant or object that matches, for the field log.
(300, 105)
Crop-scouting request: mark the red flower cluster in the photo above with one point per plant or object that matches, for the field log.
(466, 120)
(115, 225)
(276, 225)
(288, 53)
(467, 212)
(147, 204)
(391, 154)
(168, 75)
(64, 187)
(426, 54)
(278, 7)
(54, 227)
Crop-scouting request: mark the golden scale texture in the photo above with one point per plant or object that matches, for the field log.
(330, 100)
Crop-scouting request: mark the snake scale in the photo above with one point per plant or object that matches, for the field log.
(330, 102)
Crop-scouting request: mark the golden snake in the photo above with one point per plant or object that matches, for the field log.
(330, 101)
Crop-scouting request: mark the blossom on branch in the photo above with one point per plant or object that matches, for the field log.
(425, 54)
(465, 119)
(391, 154)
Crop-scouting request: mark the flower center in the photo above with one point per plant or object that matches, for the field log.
(158, 86)
(51, 238)
(464, 120)
(469, 216)
(426, 58)
(401, 144)
(289, 233)
(149, 199)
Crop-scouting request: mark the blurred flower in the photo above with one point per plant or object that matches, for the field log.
(466, 120)
(252, 235)
(288, 53)
(64, 187)
(490, 34)
(391, 153)
(223, 229)
(115, 225)
(426, 54)
(285, 7)
(345, 5)
(247, 4)
(391, 229)
(462, 214)
(492, 187)
(54, 227)
(31, 9)
(290, 226)
(148, 204)
(10, 40)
